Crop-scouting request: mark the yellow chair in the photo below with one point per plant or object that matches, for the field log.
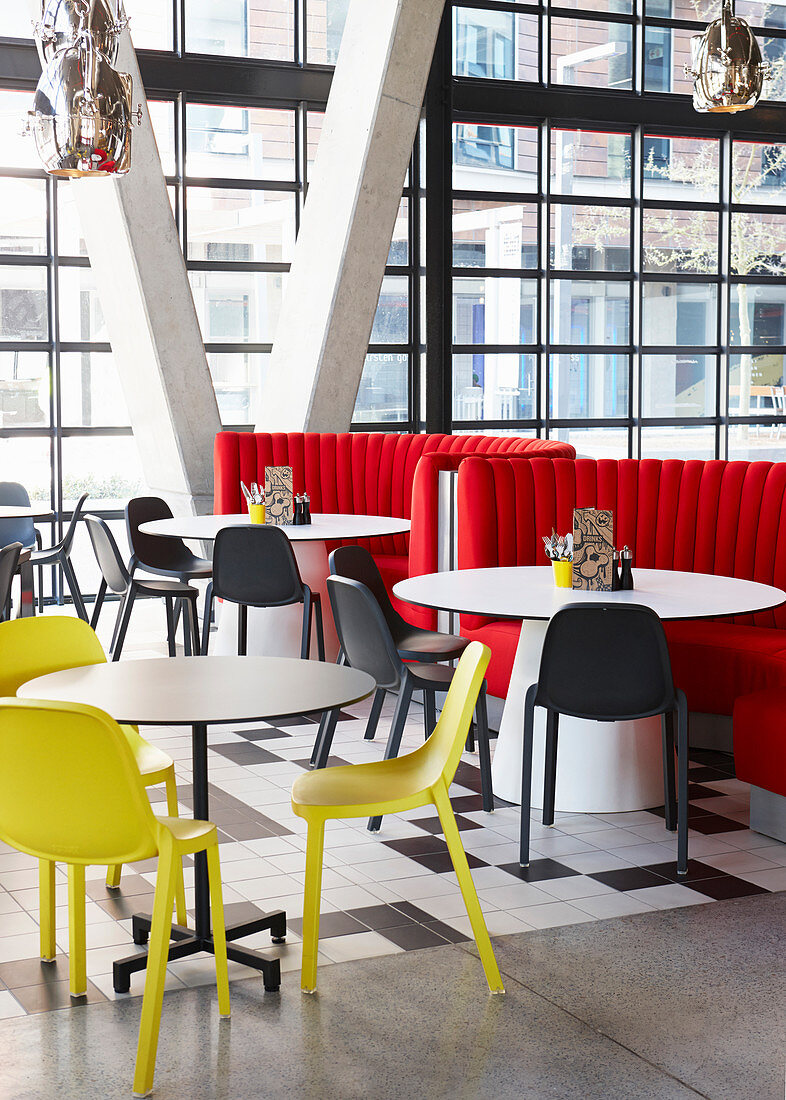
(70, 791)
(421, 778)
(34, 647)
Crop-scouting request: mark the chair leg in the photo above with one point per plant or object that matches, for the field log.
(469, 893)
(170, 627)
(376, 711)
(317, 601)
(682, 780)
(526, 775)
(305, 640)
(315, 845)
(46, 904)
(206, 621)
(77, 953)
(429, 711)
(98, 604)
(73, 587)
(219, 928)
(484, 751)
(158, 949)
(113, 873)
(40, 590)
(172, 811)
(327, 730)
(242, 630)
(128, 605)
(396, 732)
(669, 792)
(550, 771)
(190, 630)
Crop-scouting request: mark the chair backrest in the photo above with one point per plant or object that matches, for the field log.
(9, 560)
(357, 564)
(42, 644)
(16, 530)
(606, 661)
(256, 565)
(363, 632)
(68, 537)
(154, 551)
(70, 788)
(441, 753)
(107, 554)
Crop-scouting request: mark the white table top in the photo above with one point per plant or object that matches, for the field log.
(528, 592)
(188, 690)
(323, 527)
(17, 511)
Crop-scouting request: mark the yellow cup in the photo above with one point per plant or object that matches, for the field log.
(256, 513)
(563, 573)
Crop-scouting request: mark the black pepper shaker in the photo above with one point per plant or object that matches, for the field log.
(306, 509)
(615, 576)
(298, 520)
(626, 574)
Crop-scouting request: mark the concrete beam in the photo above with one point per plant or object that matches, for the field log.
(327, 315)
(141, 278)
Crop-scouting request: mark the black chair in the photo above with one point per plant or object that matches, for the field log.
(607, 663)
(413, 643)
(368, 645)
(9, 563)
(256, 567)
(61, 555)
(168, 557)
(115, 576)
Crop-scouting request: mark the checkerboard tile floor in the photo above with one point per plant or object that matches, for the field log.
(392, 891)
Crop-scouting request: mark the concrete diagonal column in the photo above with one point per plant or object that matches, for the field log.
(141, 278)
(331, 297)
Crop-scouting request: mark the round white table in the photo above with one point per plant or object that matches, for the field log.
(604, 767)
(197, 692)
(275, 631)
(18, 511)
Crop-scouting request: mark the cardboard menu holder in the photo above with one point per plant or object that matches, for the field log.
(593, 546)
(279, 496)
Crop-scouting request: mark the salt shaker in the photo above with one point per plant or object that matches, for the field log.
(306, 509)
(298, 520)
(615, 576)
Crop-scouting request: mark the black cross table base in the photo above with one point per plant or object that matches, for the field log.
(189, 941)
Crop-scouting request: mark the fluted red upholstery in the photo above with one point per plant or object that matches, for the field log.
(357, 472)
(760, 739)
(726, 518)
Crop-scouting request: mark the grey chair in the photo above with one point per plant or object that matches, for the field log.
(256, 567)
(17, 530)
(368, 645)
(607, 662)
(116, 578)
(61, 555)
(9, 563)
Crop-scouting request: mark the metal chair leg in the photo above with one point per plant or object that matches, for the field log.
(317, 600)
(669, 792)
(98, 604)
(305, 639)
(550, 774)
(484, 750)
(206, 621)
(170, 627)
(429, 711)
(396, 732)
(123, 623)
(526, 774)
(73, 586)
(242, 630)
(324, 741)
(682, 780)
(373, 718)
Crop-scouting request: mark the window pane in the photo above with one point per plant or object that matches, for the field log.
(314, 124)
(666, 51)
(495, 45)
(23, 303)
(24, 389)
(488, 233)
(398, 255)
(237, 378)
(494, 387)
(680, 313)
(235, 28)
(703, 10)
(758, 243)
(28, 460)
(588, 162)
(326, 19)
(391, 323)
(162, 118)
(686, 169)
(753, 443)
(237, 225)
(755, 384)
(758, 172)
(506, 157)
(240, 142)
(756, 315)
(760, 13)
(681, 240)
(106, 467)
(680, 442)
(23, 216)
(624, 7)
(70, 241)
(595, 442)
(588, 386)
(678, 385)
(495, 311)
(91, 394)
(384, 389)
(81, 316)
(19, 150)
(589, 238)
(590, 312)
(595, 55)
(236, 307)
(151, 23)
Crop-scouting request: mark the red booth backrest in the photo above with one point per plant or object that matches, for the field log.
(365, 473)
(726, 518)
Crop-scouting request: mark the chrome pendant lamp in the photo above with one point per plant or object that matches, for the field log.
(726, 65)
(82, 113)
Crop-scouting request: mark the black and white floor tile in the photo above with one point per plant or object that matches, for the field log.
(392, 891)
